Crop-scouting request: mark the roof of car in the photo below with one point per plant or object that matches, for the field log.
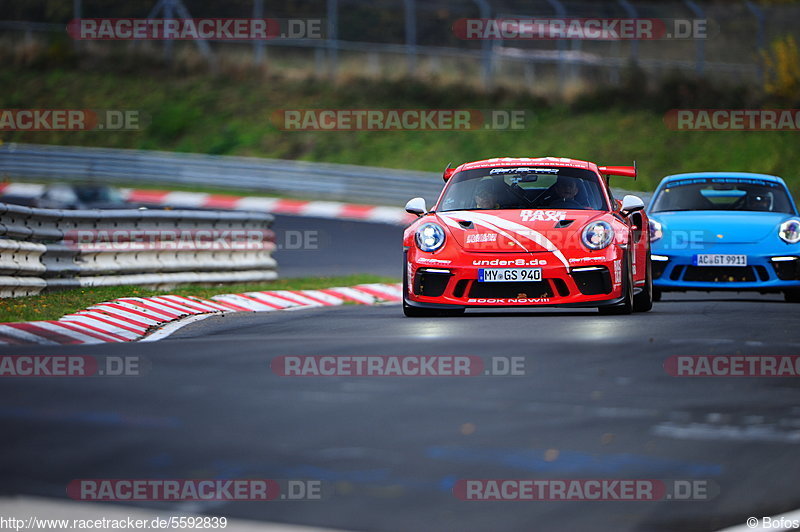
(723, 175)
(515, 161)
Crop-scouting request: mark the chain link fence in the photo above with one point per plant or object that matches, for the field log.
(385, 38)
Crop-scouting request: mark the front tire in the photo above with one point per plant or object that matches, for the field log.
(418, 312)
(643, 301)
(626, 305)
(792, 295)
(657, 294)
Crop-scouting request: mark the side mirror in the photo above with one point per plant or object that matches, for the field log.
(417, 206)
(631, 204)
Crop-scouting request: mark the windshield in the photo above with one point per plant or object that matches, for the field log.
(723, 194)
(523, 188)
(91, 194)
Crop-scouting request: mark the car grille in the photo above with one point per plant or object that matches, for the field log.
(719, 274)
(593, 282)
(430, 284)
(787, 270)
(658, 268)
(510, 290)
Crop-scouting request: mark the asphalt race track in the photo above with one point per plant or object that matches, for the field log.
(595, 402)
(312, 247)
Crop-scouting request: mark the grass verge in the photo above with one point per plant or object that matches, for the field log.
(53, 305)
(218, 115)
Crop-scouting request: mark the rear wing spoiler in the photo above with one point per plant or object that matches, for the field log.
(448, 172)
(624, 171)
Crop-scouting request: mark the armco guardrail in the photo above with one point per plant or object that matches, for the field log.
(313, 180)
(48, 248)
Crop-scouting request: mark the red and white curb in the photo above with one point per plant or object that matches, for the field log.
(318, 209)
(134, 318)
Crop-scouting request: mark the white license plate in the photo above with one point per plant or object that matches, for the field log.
(720, 260)
(506, 275)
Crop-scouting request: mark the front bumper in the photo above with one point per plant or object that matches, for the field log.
(677, 272)
(445, 284)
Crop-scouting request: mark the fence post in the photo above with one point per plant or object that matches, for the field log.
(411, 35)
(169, 13)
(77, 13)
(760, 36)
(258, 45)
(333, 36)
(700, 44)
(632, 13)
(202, 45)
(486, 45)
(561, 12)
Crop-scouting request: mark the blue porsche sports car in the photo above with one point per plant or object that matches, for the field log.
(725, 231)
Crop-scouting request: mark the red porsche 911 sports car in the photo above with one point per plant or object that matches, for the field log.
(525, 232)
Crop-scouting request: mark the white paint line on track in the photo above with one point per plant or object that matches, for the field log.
(706, 431)
(174, 326)
(25, 508)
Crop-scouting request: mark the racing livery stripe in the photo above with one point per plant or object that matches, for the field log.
(526, 231)
(498, 224)
(453, 223)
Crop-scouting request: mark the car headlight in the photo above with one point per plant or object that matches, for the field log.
(597, 235)
(430, 237)
(790, 231)
(656, 231)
